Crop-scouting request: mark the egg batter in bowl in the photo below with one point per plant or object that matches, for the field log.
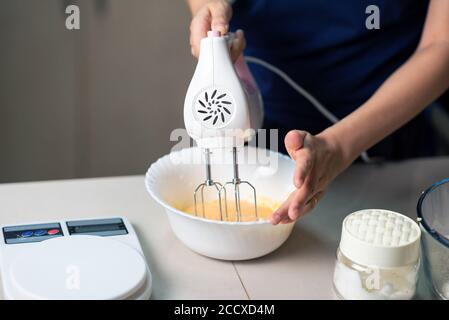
(265, 209)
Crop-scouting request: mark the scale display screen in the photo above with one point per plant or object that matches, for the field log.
(99, 227)
(31, 233)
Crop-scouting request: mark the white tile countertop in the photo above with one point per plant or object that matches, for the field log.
(301, 269)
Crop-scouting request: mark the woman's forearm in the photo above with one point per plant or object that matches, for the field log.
(418, 82)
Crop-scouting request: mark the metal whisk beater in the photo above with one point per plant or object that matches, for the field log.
(209, 183)
(236, 183)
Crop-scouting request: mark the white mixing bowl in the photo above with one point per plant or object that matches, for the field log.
(172, 179)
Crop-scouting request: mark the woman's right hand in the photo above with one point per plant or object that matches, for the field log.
(214, 15)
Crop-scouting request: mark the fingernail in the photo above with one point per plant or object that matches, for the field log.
(294, 213)
(218, 27)
(299, 182)
(275, 218)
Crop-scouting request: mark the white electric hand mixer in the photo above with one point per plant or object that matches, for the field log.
(222, 109)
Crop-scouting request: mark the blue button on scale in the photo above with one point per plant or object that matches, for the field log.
(27, 234)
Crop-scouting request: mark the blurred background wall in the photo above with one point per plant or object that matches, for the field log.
(97, 101)
(101, 100)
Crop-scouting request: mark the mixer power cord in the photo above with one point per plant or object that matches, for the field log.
(318, 105)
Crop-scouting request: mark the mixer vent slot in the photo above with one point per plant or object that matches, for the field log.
(214, 108)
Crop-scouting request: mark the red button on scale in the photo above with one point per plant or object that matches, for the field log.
(53, 231)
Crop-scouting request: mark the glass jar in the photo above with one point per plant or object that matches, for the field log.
(354, 281)
(372, 264)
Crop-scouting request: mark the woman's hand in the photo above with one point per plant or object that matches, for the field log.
(319, 159)
(214, 15)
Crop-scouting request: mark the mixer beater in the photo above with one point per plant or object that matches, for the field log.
(226, 213)
(209, 183)
(222, 110)
(236, 183)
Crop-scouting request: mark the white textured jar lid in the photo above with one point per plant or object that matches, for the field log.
(376, 237)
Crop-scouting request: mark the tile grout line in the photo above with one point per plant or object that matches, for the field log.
(240, 279)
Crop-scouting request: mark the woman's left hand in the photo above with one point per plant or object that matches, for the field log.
(319, 159)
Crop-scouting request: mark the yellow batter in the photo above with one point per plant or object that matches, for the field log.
(265, 208)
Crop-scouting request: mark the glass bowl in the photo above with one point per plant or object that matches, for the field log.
(433, 218)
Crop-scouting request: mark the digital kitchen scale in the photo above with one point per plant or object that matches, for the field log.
(74, 259)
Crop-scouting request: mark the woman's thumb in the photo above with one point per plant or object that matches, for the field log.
(294, 140)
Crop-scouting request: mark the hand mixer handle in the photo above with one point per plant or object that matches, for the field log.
(217, 106)
(254, 97)
(249, 84)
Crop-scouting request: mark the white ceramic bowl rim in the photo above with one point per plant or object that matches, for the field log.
(189, 216)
